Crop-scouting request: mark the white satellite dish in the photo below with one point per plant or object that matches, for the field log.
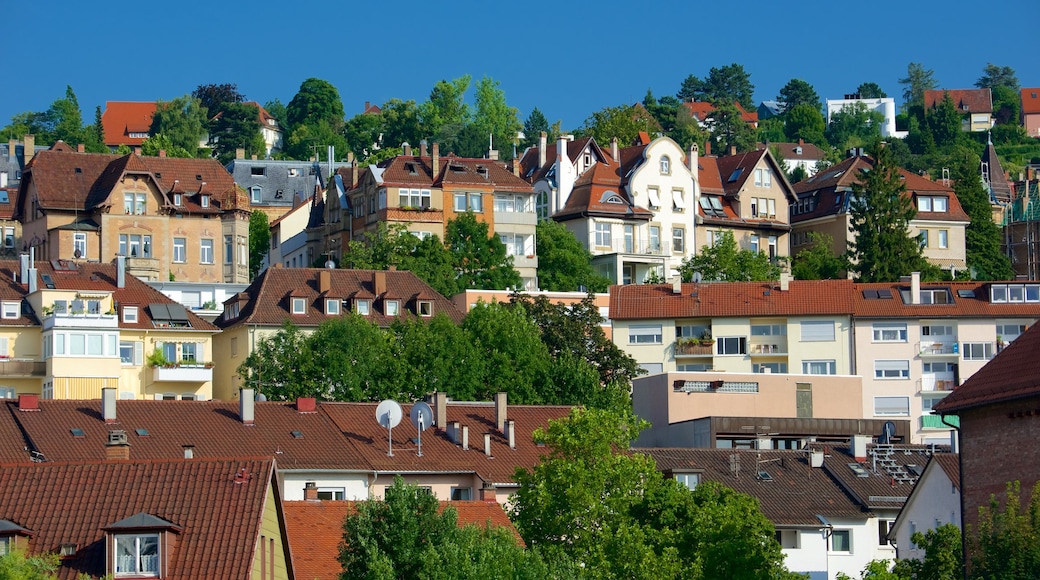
(388, 414)
(422, 417)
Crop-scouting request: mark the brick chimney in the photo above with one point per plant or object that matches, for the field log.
(81, 148)
(614, 150)
(732, 149)
(500, 412)
(436, 161)
(487, 492)
(162, 153)
(707, 147)
(440, 409)
(28, 402)
(28, 149)
(240, 153)
(324, 281)
(11, 145)
(423, 151)
(406, 149)
(310, 491)
(117, 446)
(306, 405)
(541, 148)
(379, 282)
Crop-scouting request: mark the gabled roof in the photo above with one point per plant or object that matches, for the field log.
(212, 427)
(722, 299)
(282, 183)
(74, 502)
(598, 193)
(482, 173)
(797, 151)
(315, 531)
(529, 169)
(1030, 101)
(701, 110)
(124, 117)
(965, 100)
(268, 305)
(792, 496)
(968, 300)
(1011, 375)
(884, 480)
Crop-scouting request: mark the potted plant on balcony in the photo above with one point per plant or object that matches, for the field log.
(706, 338)
(158, 359)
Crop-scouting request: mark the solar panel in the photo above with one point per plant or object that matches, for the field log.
(159, 312)
(965, 293)
(177, 313)
(736, 174)
(77, 432)
(870, 294)
(47, 281)
(885, 294)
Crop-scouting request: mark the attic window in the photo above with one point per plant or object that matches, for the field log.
(457, 169)
(859, 470)
(391, 307)
(77, 432)
(797, 150)
(362, 307)
(965, 294)
(178, 199)
(141, 432)
(425, 308)
(158, 175)
(258, 171)
(293, 172)
(204, 201)
(331, 306)
(297, 434)
(299, 306)
(735, 175)
(611, 197)
(764, 476)
(410, 167)
(78, 170)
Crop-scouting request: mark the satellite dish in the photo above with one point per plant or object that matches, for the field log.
(261, 397)
(697, 277)
(388, 413)
(330, 265)
(421, 415)
(888, 432)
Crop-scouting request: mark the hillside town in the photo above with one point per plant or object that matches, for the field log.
(696, 336)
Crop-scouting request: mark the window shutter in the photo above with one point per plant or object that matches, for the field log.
(3, 347)
(818, 331)
(138, 353)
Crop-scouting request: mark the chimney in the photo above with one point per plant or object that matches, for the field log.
(487, 444)
(614, 150)
(379, 282)
(915, 288)
(516, 167)
(80, 148)
(23, 270)
(816, 458)
(541, 149)
(354, 172)
(240, 153)
(310, 491)
(732, 149)
(108, 404)
(454, 432)
(440, 407)
(465, 437)
(859, 447)
(487, 492)
(406, 149)
(117, 446)
(189, 451)
(801, 142)
(11, 145)
(28, 149)
(436, 163)
(500, 412)
(677, 285)
(511, 433)
(561, 150)
(707, 147)
(306, 405)
(785, 281)
(162, 153)
(28, 402)
(120, 271)
(324, 281)
(422, 148)
(32, 280)
(246, 405)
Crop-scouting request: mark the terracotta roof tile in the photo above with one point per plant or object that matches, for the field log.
(951, 465)
(790, 150)
(1030, 101)
(721, 299)
(875, 487)
(1012, 374)
(975, 305)
(593, 192)
(970, 100)
(124, 117)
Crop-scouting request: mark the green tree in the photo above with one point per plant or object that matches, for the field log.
(495, 117)
(316, 101)
(400, 123)
(798, 92)
(917, 80)
(943, 559)
(432, 262)
(1005, 543)
(624, 122)
(479, 259)
(729, 129)
(535, 124)
(880, 215)
(855, 125)
(312, 141)
(16, 565)
(508, 342)
(724, 262)
(355, 362)
(805, 122)
(389, 245)
(722, 85)
(363, 134)
(817, 261)
(276, 109)
(182, 121)
(259, 241)
(281, 366)
(944, 123)
(159, 142)
(437, 355)
(491, 553)
(870, 91)
(564, 265)
(771, 130)
(213, 98)
(1007, 105)
(67, 119)
(446, 106)
(98, 137)
(238, 126)
(986, 260)
(994, 76)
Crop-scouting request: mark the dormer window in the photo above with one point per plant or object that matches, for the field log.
(130, 314)
(204, 201)
(425, 307)
(135, 545)
(391, 307)
(332, 307)
(178, 199)
(299, 306)
(11, 309)
(363, 307)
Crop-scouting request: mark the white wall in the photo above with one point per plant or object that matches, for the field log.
(886, 107)
(935, 501)
(355, 485)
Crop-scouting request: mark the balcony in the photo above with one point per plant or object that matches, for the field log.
(184, 373)
(935, 422)
(525, 261)
(939, 349)
(695, 348)
(633, 246)
(81, 320)
(777, 348)
(146, 268)
(22, 367)
(933, 385)
(515, 218)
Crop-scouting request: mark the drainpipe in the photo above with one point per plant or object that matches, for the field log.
(960, 465)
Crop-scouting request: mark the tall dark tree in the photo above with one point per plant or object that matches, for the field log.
(805, 122)
(798, 92)
(183, 121)
(729, 129)
(917, 80)
(214, 97)
(480, 259)
(535, 124)
(722, 85)
(944, 123)
(982, 240)
(238, 126)
(316, 100)
(99, 130)
(870, 90)
(259, 241)
(880, 214)
(994, 76)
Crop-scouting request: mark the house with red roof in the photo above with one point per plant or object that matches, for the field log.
(934, 501)
(702, 110)
(127, 122)
(1031, 111)
(974, 105)
(800, 154)
(823, 201)
(174, 519)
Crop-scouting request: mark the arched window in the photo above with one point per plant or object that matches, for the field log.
(666, 165)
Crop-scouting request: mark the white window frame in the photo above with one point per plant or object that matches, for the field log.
(679, 240)
(889, 332)
(79, 242)
(892, 369)
(666, 165)
(944, 239)
(603, 233)
(725, 344)
(808, 367)
(12, 309)
(892, 406)
(461, 494)
(362, 306)
(256, 194)
(970, 350)
(298, 305)
(425, 308)
(180, 250)
(332, 306)
(8, 237)
(391, 307)
(138, 568)
(130, 314)
(690, 480)
(206, 251)
(645, 334)
(847, 534)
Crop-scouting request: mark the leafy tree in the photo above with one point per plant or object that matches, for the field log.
(159, 142)
(276, 109)
(817, 261)
(880, 215)
(1006, 542)
(182, 121)
(624, 122)
(994, 76)
(432, 262)
(1007, 105)
(771, 130)
(917, 80)
(855, 125)
(438, 355)
(214, 98)
(722, 85)
(67, 119)
(259, 241)
(495, 117)
(16, 565)
(535, 124)
(364, 135)
(400, 123)
(944, 122)
(281, 366)
(479, 259)
(493, 553)
(870, 91)
(729, 129)
(508, 343)
(982, 241)
(943, 558)
(315, 102)
(446, 106)
(564, 265)
(805, 122)
(312, 141)
(238, 126)
(723, 261)
(798, 92)
(389, 245)
(360, 367)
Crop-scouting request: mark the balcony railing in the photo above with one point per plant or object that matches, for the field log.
(777, 347)
(18, 367)
(633, 246)
(80, 320)
(938, 348)
(935, 421)
(695, 348)
(931, 385)
(189, 373)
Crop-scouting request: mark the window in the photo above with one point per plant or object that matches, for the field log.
(924, 203)
(299, 306)
(892, 406)
(655, 197)
(841, 541)
(645, 334)
(461, 493)
(206, 251)
(362, 307)
(754, 243)
(935, 296)
(425, 308)
(655, 238)
(135, 245)
(414, 198)
(729, 345)
(666, 165)
(255, 194)
(134, 203)
(1014, 293)
(180, 250)
(772, 247)
(944, 238)
(889, 332)
(922, 238)
(819, 367)
(131, 353)
(79, 245)
(178, 199)
(763, 178)
(469, 201)
(603, 234)
(788, 539)
(12, 309)
(391, 307)
(892, 369)
(258, 171)
(331, 306)
(883, 527)
(229, 249)
(130, 314)
(204, 200)
(977, 350)
(690, 480)
(137, 554)
(331, 493)
(775, 368)
(678, 240)
(243, 251)
(189, 351)
(768, 330)
(818, 331)
(8, 237)
(678, 201)
(541, 205)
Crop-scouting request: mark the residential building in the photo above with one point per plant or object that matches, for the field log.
(770, 109)
(290, 245)
(747, 194)
(553, 169)
(884, 105)
(934, 501)
(14, 156)
(800, 154)
(702, 110)
(996, 408)
(823, 206)
(1021, 224)
(205, 300)
(172, 218)
(136, 518)
(1031, 111)
(276, 186)
(270, 129)
(974, 105)
(127, 123)
(309, 296)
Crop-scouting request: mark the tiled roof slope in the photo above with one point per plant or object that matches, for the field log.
(877, 489)
(529, 169)
(796, 493)
(719, 299)
(977, 305)
(124, 117)
(269, 304)
(970, 100)
(315, 531)
(701, 110)
(790, 150)
(212, 427)
(591, 192)
(1030, 101)
(416, 171)
(357, 421)
(999, 187)
(1012, 374)
(951, 465)
(72, 503)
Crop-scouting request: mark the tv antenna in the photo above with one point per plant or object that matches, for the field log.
(422, 417)
(388, 414)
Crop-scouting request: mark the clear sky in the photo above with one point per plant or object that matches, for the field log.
(566, 58)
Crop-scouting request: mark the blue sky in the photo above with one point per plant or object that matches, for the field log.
(566, 58)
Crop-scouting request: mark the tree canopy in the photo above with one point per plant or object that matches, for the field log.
(213, 97)
(564, 265)
(259, 241)
(495, 118)
(917, 80)
(817, 261)
(316, 100)
(182, 121)
(624, 122)
(723, 261)
(729, 129)
(994, 76)
(722, 85)
(855, 125)
(237, 127)
(805, 122)
(870, 90)
(479, 259)
(798, 92)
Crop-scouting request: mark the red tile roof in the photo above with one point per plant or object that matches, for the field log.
(977, 305)
(315, 531)
(701, 110)
(790, 150)
(124, 117)
(529, 161)
(1011, 375)
(879, 488)
(721, 299)
(1030, 101)
(598, 193)
(951, 466)
(483, 174)
(965, 100)
(268, 304)
(218, 518)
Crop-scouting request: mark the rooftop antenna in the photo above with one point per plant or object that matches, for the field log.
(388, 414)
(422, 417)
